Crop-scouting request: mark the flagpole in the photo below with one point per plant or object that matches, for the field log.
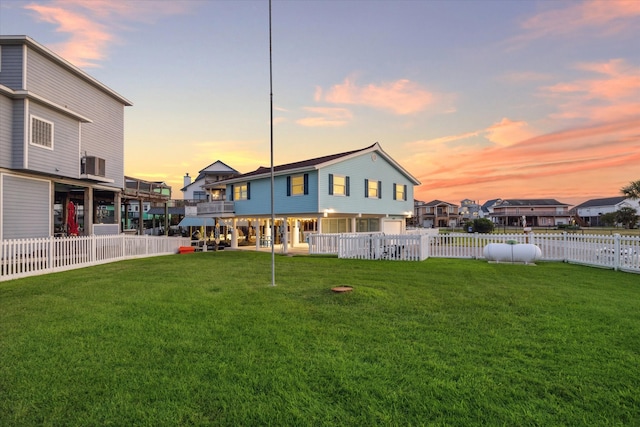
(273, 216)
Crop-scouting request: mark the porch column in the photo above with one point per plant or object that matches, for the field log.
(140, 221)
(258, 234)
(353, 224)
(125, 223)
(267, 230)
(166, 218)
(117, 199)
(234, 233)
(88, 211)
(295, 236)
(319, 225)
(285, 235)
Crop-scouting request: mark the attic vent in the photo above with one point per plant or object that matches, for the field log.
(93, 166)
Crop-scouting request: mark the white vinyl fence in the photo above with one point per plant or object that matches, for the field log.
(612, 251)
(30, 257)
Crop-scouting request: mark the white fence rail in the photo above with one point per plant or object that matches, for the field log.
(612, 251)
(30, 257)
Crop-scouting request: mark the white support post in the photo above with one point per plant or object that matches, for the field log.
(234, 233)
(295, 237)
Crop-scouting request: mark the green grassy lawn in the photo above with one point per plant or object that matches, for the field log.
(202, 339)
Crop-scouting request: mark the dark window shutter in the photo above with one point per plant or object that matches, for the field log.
(248, 190)
(288, 186)
(379, 189)
(346, 186)
(366, 188)
(231, 193)
(330, 183)
(405, 192)
(395, 190)
(306, 183)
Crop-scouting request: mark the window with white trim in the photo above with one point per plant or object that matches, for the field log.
(297, 185)
(338, 185)
(41, 132)
(241, 192)
(373, 189)
(400, 192)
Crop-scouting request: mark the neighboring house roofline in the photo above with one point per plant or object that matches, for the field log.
(604, 202)
(530, 202)
(439, 202)
(26, 40)
(318, 163)
(205, 169)
(25, 94)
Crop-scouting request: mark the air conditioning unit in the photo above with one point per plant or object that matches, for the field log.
(92, 165)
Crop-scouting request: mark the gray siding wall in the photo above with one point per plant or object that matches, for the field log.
(18, 134)
(6, 131)
(11, 71)
(26, 207)
(105, 136)
(63, 159)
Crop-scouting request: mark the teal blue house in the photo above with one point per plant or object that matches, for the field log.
(362, 190)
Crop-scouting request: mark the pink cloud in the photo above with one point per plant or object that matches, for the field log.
(400, 97)
(92, 24)
(612, 94)
(570, 164)
(504, 133)
(326, 117)
(598, 17)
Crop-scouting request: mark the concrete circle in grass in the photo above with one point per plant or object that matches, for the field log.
(341, 289)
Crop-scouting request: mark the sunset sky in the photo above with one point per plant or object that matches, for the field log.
(477, 99)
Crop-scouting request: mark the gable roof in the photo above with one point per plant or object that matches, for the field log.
(607, 201)
(215, 167)
(530, 202)
(318, 163)
(439, 202)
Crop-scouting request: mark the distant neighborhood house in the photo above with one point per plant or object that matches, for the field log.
(591, 211)
(532, 212)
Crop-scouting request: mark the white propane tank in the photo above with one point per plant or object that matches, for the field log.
(512, 253)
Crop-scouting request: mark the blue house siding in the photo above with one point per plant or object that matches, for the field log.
(260, 200)
(358, 170)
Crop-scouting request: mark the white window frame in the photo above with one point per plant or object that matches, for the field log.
(337, 186)
(373, 189)
(399, 190)
(32, 118)
(240, 191)
(297, 185)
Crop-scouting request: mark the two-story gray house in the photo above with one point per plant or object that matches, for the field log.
(61, 143)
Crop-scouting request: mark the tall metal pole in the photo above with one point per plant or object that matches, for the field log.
(273, 215)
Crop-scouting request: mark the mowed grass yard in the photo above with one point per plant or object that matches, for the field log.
(202, 339)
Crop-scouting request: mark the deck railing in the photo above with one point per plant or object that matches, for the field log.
(30, 257)
(609, 251)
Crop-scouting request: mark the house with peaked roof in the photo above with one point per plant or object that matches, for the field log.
(536, 212)
(437, 213)
(215, 172)
(362, 190)
(61, 145)
(590, 211)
